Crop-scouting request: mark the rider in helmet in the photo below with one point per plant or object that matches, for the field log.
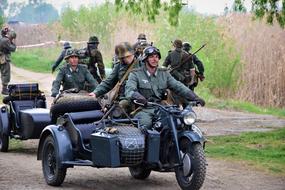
(149, 83)
(73, 75)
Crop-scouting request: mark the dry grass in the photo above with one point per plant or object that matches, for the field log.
(262, 50)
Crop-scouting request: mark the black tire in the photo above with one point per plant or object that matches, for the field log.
(140, 172)
(73, 103)
(193, 177)
(4, 143)
(53, 175)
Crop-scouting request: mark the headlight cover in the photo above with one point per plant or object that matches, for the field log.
(197, 130)
(189, 117)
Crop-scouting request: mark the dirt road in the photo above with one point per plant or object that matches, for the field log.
(19, 169)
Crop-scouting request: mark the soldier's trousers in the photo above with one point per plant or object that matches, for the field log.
(145, 117)
(5, 73)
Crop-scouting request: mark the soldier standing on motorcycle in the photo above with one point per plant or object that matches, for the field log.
(197, 63)
(149, 83)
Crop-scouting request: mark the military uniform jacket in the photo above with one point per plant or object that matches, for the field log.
(6, 47)
(174, 59)
(154, 86)
(96, 60)
(117, 74)
(72, 79)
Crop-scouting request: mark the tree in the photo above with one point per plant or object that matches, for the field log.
(271, 9)
(35, 12)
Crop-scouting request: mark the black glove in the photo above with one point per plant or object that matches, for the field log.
(53, 68)
(200, 101)
(140, 98)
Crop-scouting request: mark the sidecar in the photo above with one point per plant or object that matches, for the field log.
(89, 138)
(24, 114)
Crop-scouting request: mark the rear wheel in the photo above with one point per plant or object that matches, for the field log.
(192, 174)
(139, 172)
(54, 175)
(4, 142)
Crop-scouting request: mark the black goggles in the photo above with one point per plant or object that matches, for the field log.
(151, 50)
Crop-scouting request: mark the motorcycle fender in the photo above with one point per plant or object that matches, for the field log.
(192, 136)
(62, 143)
(4, 120)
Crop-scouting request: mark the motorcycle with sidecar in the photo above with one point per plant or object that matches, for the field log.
(97, 139)
(24, 114)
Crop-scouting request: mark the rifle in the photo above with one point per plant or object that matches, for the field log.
(113, 94)
(190, 56)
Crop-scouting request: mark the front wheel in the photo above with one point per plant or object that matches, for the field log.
(53, 174)
(192, 174)
(139, 172)
(4, 142)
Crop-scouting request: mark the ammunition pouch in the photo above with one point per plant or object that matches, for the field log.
(3, 58)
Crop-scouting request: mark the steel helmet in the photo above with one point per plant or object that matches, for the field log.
(124, 49)
(150, 50)
(66, 45)
(141, 36)
(93, 40)
(71, 52)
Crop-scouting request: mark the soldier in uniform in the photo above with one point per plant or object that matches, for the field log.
(126, 57)
(149, 83)
(7, 45)
(95, 61)
(73, 75)
(140, 45)
(66, 46)
(199, 67)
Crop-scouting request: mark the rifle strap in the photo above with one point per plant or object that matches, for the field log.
(127, 73)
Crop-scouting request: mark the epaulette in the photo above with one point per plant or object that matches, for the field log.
(82, 66)
(137, 69)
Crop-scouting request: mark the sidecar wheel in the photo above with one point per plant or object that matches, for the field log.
(192, 174)
(139, 172)
(4, 143)
(53, 174)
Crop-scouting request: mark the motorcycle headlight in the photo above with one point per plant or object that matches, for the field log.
(189, 118)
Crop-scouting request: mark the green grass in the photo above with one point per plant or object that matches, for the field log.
(230, 104)
(36, 59)
(264, 150)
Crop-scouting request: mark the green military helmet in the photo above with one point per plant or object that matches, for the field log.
(177, 43)
(93, 40)
(71, 52)
(12, 34)
(124, 49)
(141, 36)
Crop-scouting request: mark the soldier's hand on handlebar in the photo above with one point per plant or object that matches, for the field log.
(200, 101)
(139, 98)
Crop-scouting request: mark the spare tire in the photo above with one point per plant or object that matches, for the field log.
(73, 102)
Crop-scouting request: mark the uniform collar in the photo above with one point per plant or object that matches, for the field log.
(76, 70)
(148, 73)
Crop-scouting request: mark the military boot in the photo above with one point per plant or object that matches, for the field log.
(5, 90)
